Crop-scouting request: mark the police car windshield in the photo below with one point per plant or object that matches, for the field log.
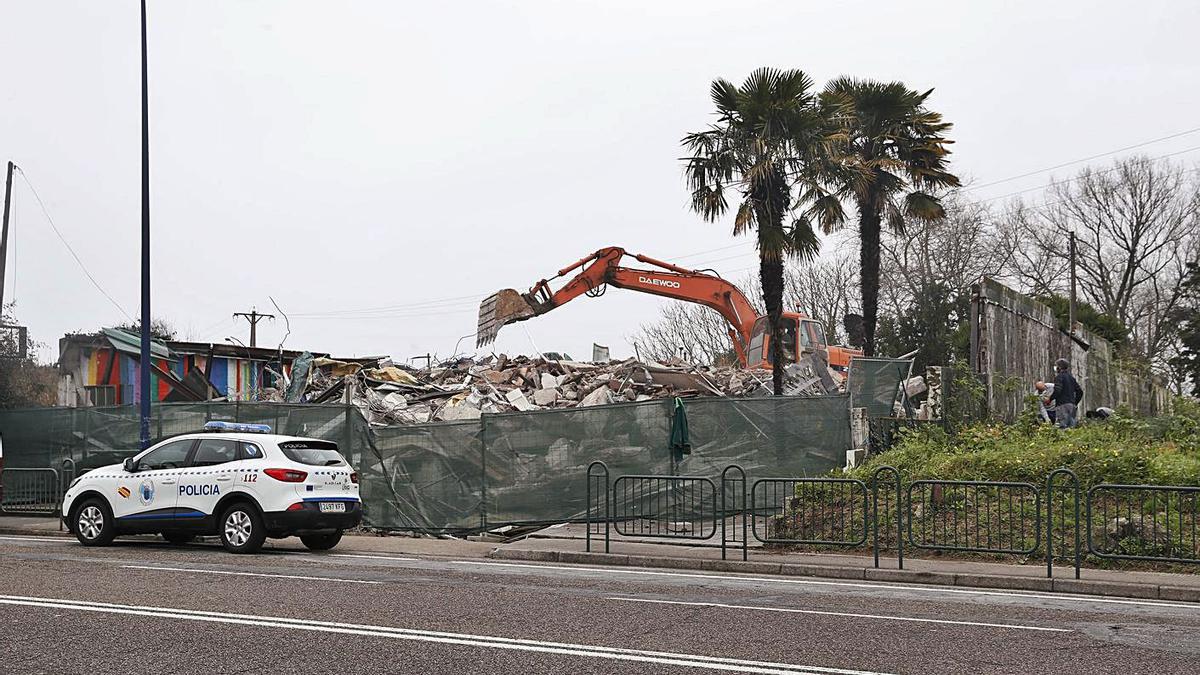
(314, 453)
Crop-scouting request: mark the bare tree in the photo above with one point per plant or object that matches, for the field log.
(953, 252)
(1136, 223)
(688, 331)
(824, 289)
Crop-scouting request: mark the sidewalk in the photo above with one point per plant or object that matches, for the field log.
(564, 544)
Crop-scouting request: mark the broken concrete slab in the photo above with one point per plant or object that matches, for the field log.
(518, 400)
(601, 396)
(461, 411)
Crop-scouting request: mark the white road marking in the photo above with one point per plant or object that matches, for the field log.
(466, 639)
(846, 614)
(61, 540)
(371, 557)
(246, 574)
(844, 584)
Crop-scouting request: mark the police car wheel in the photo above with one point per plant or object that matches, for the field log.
(93, 525)
(321, 542)
(178, 538)
(242, 529)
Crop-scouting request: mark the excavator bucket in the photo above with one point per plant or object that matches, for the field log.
(500, 308)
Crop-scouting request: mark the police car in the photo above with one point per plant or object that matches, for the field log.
(236, 481)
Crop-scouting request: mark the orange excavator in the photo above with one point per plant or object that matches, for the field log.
(748, 330)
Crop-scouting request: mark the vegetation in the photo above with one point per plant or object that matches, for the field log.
(1092, 319)
(1122, 449)
(767, 134)
(24, 383)
(1187, 320)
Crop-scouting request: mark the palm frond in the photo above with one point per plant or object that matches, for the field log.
(923, 206)
(802, 241)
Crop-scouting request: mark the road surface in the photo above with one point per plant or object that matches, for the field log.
(141, 606)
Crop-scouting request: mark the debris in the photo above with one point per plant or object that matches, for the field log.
(465, 389)
(600, 396)
(599, 353)
(517, 398)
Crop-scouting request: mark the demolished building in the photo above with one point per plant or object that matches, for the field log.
(465, 389)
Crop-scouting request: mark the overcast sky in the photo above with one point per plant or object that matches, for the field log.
(418, 156)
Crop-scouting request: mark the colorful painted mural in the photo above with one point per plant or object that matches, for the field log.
(98, 369)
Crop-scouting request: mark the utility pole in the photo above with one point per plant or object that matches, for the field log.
(1071, 311)
(4, 233)
(144, 365)
(253, 317)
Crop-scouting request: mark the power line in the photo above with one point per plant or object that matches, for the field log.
(1084, 159)
(1076, 178)
(63, 239)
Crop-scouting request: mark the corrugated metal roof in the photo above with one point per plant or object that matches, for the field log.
(131, 343)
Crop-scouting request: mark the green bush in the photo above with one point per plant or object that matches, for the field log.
(1122, 449)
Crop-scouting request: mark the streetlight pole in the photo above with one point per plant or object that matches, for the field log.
(4, 235)
(144, 366)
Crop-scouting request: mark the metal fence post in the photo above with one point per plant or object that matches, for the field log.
(588, 505)
(725, 511)
(1050, 519)
(875, 479)
(483, 478)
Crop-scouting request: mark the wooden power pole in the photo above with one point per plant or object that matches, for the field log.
(1071, 311)
(253, 317)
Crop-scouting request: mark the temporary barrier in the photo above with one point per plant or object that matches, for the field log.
(598, 494)
(813, 511)
(975, 516)
(892, 510)
(1064, 500)
(470, 475)
(1144, 522)
(30, 491)
(666, 507)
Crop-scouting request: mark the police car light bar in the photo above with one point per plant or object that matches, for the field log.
(238, 427)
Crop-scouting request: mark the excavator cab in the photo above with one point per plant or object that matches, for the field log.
(801, 336)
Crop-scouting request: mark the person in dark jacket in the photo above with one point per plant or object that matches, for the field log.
(1066, 395)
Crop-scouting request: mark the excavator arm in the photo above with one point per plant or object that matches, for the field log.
(602, 269)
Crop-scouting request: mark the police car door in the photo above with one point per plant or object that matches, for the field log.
(207, 478)
(149, 493)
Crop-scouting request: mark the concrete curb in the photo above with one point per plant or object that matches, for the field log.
(1000, 581)
(34, 533)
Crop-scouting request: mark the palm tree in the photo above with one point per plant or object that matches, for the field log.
(889, 159)
(761, 149)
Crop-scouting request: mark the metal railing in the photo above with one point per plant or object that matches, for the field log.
(891, 507)
(1119, 522)
(598, 493)
(734, 509)
(1144, 522)
(974, 516)
(666, 507)
(1075, 523)
(813, 511)
(30, 491)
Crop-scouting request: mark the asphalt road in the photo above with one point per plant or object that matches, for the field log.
(141, 607)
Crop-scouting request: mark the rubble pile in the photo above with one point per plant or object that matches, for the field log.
(466, 388)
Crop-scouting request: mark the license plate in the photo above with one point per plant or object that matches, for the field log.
(333, 507)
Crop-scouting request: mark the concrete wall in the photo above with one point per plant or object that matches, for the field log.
(1015, 341)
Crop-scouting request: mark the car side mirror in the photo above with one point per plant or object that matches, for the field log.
(130, 465)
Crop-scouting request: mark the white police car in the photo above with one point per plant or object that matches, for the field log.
(237, 481)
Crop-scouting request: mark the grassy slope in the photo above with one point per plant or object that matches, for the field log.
(1161, 451)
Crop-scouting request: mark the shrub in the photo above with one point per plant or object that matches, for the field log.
(1122, 449)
